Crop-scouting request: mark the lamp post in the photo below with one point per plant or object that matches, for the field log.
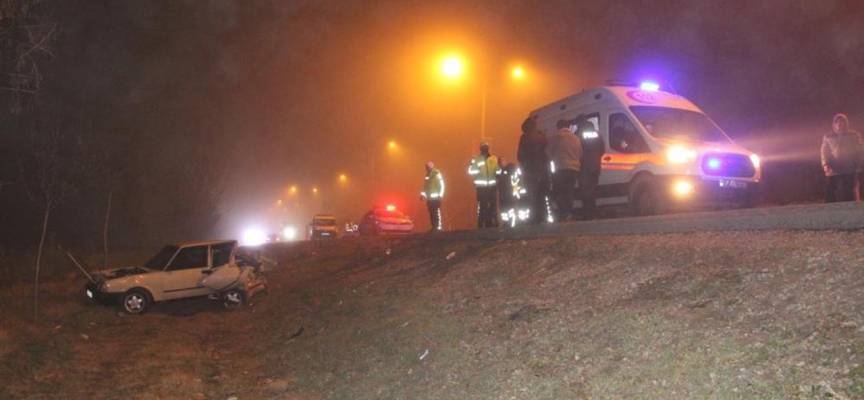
(453, 68)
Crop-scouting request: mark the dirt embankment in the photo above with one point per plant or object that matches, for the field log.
(713, 315)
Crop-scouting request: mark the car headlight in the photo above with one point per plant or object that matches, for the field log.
(755, 160)
(680, 155)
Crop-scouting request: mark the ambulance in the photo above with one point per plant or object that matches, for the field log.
(662, 152)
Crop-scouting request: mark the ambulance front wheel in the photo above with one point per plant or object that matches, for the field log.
(645, 198)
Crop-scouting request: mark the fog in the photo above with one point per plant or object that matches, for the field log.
(298, 93)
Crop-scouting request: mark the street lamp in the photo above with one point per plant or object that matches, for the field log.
(452, 68)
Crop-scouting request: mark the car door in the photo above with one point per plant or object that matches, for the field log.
(625, 150)
(182, 277)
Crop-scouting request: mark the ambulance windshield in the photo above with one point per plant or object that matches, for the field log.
(678, 124)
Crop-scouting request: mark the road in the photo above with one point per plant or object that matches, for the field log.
(836, 216)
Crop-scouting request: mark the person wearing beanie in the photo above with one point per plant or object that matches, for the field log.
(433, 192)
(841, 155)
(482, 169)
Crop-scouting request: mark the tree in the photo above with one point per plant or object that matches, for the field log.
(27, 34)
(56, 163)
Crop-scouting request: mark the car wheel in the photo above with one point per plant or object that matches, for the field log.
(233, 299)
(646, 200)
(136, 301)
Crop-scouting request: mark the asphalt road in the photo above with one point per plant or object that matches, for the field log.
(836, 216)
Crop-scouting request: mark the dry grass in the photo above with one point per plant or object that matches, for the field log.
(770, 315)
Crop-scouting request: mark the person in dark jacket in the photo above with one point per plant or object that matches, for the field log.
(506, 198)
(593, 148)
(534, 168)
(841, 160)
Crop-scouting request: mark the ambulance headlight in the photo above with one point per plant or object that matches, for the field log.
(680, 155)
(682, 188)
(755, 160)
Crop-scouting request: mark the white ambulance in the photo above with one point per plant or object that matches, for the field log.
(662, 152)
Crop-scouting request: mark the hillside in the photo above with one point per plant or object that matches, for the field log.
(734, 315)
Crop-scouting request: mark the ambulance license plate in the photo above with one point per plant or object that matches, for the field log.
(732, 184)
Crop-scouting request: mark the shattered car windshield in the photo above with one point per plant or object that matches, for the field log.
(674, 123)
(160, 260)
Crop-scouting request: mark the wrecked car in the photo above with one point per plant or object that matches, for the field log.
(209, 268)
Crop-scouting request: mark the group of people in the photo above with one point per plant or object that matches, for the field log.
(547, 167)
(552, 167)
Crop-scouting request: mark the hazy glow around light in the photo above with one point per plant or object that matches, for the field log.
(518, 73)
(391, 144)
(452, 67)
(649, 86)
(755, 160)
(254, 237)
(713, 163)
(683, 188)
(289, 233)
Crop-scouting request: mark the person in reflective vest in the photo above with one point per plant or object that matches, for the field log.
(593, 148)
(482, 170)
(506, 192)
(433, 193)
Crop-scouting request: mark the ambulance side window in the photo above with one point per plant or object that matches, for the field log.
(624, 137)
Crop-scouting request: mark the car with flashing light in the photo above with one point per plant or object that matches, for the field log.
(385, 220)
(323, 226)
(207, 268)
(662, 152)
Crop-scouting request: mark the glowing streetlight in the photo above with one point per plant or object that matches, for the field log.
(452, 67)
(315, 190)
(292, 189)
(343, 178)
(392, 145)
(517, 73)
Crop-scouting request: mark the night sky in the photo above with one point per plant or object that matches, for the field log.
(298, 92)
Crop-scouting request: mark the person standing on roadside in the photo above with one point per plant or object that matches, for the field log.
(565, 152)
(482, 169)
(506, 198)
(593, 148)
(533, 166)
(841, 160)
(433, 193)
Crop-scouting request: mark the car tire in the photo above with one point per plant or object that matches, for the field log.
(136, 301)
(233, 299)
(645, 198)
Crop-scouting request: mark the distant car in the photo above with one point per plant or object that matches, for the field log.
(385, 221)
(323, 227)
(209, 268)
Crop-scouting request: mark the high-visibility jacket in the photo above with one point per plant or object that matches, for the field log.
(433, 188)
(483, 170)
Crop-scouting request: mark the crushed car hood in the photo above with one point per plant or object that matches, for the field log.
(120, 272)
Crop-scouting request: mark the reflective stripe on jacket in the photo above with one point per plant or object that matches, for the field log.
(483, 170)
(433, 188)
